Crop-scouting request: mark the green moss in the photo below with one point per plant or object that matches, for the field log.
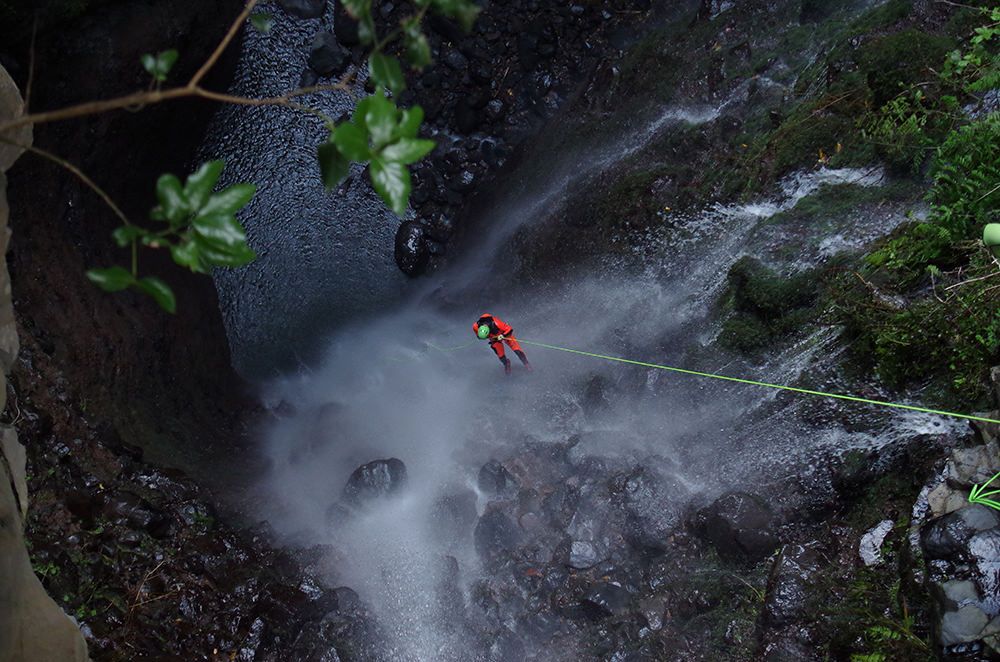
(894, 62)
(767, 306)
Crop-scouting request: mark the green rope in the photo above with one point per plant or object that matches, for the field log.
(407, 359)
(839, 396)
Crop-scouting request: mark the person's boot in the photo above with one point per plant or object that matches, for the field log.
(524, 360)
(506, 367)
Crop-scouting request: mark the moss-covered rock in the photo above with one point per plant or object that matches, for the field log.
(766, 305)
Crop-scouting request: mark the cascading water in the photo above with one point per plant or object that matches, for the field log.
(384, 390)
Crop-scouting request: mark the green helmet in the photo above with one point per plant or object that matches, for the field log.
(991, 237)
(483, 332)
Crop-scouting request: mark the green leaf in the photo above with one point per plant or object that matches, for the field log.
(392, 183)
(236, 256)
(160, 65)
(228, 201)
(160, 292)
(352, 141)
(221, 231)
(173, 204)
(361, 110)
(126, 234)
(366, 30)
(418, 50)
(166, 61)
(187, 255)
(112, 279)
(385, 71)
(262, 22)
(149, 64)
(410, 122)
(333, 167)
(407, 150)
(465, 11)
(201, 182)
(380, 118)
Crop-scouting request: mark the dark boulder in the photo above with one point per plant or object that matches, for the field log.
(128, 509)
(649, 502)
(496, 535)
(740, 525)
(606, 599)
(792, 575)
(495, 480)
(344, 25)
(374, 480)
(948, 536)
(304, 8)
(326, 56)
(412, 251)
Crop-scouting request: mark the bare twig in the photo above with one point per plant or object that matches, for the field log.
(972, 280)
(142, 584)
(149, 97)
(956, 4)
(76, 171)
(153, 97)
(989, 193)
(214, 57)
(31, 65)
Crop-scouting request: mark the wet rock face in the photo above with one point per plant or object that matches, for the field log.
(789, 584)
(486, 93)
(740, 525)
(495, 480)
(174, 579)
(374, 480)
(496, 535)
(962, 554)
(949, 536)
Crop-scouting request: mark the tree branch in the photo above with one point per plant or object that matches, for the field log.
(233, 29)
(76, 171)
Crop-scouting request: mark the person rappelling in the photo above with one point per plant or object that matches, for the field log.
(498, 332)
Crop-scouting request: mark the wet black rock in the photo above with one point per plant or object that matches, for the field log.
(308, 78)
(606, 599)
(344, 25)
(304, 8)
(326, 56)
(948, 536)
(649, 503)
(792, 575)
(374, 480)
(740, 525)
(412, 252)
(467, 118)
(496, 535)
(126, 508)
(495, 480)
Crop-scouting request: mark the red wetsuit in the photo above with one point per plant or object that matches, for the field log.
(497, 329)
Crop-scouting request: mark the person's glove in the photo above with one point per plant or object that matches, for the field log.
(500, 337)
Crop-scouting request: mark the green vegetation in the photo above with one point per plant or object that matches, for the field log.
(923, 304)
(202, 231)
(767, 306)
